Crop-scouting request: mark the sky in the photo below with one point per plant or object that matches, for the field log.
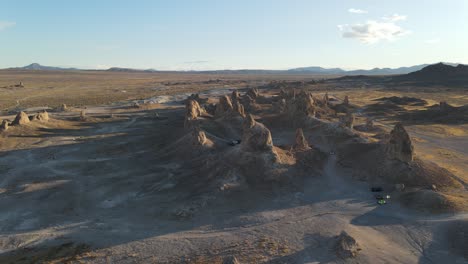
(225, 34)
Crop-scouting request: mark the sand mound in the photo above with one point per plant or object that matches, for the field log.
(21, 119)
(346, 246)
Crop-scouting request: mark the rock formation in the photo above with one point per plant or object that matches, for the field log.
(445, 107)
(197, 98)
(301, 107)
(369, 124)
(4, 126)
(42, 116)
(347, 120)
(193, 109)
(63, 107)
(224, 106)
(21, 119)
(82, 115)
(279, 106)
(253, 93)
(301, 143)
(326, 99)
(235, 96)
(346, 246)
(399, 145)
(256, 137)
(230, 260)
(249, 103)
(346, 100)
(238, 108)
(198, 137)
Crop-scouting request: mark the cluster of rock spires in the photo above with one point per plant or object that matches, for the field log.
(22, 119)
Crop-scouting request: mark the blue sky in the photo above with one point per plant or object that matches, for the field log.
(209, 34)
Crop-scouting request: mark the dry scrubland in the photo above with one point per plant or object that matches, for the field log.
(108, 180)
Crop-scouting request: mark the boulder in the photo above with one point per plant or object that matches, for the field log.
(256, 137)
(21, 119)
(42, 116)
(399, 145)
(346, 246)
(301, 143)
(4, 126)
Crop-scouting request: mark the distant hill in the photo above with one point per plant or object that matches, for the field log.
(375, 71)
(439, 73)
(39, 67)
(318, 70)
(313, 70)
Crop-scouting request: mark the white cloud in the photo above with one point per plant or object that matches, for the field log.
(395, 18)
(374, 31)
(6, 24)
(357, 11)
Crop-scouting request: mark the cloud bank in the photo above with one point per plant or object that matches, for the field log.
(374, 31)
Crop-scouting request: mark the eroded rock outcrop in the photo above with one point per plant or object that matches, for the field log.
(63, 108)
(300, 143)
(399, 145)
(346, 246)
(42, 116)
(369, 124)
(193, 111)
(21, 119)
(4, 126)
(256, 137)
(253, 93)
(224, 106)
(301, 107)
(346, 100)
(198, 137)
(347, 120)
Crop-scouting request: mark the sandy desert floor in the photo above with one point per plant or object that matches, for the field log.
(119, 186)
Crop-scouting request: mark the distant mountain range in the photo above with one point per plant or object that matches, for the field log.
(314, 70)
(39, 67)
